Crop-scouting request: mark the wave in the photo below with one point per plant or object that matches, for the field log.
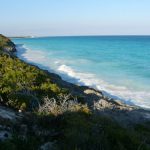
(139, 98)
(39, 58)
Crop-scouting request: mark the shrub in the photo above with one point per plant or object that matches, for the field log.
(61, 105)
(21, 101)
(17, 76)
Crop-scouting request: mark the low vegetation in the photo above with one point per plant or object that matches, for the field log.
(62, 105)
(23, 85)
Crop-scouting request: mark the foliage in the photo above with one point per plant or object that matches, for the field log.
(88, 131)
(17, 143)
(79, 131)
(61, 105)
(19, 78)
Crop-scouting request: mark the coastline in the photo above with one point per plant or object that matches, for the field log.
(105, 71)
(65, 77)
(98, 101)
(71, 76)
(38, 105)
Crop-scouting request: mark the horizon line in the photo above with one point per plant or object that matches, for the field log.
(34, 36)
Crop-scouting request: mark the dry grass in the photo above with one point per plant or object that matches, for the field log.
(61, 105)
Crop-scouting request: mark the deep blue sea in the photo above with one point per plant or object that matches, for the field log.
(117, 65)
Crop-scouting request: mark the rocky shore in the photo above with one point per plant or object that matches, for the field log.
(95, 99)
(102, 104)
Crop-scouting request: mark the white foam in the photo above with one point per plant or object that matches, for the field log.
(140, 98)
(30, 55)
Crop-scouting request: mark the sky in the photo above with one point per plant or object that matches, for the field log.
(74, 17)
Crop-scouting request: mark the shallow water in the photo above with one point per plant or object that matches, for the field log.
(118, 65)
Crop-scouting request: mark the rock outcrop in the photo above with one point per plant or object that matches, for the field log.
(8, 118)
(6, 44)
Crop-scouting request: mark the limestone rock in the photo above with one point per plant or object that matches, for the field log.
(102, 104)
(94, 92)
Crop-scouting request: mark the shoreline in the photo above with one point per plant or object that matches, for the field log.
(65, 77)
(96, 101)
(70, 79)
(99, 103)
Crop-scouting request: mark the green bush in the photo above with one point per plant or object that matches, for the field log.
(17, 76)
(21, 84)
(88, 131)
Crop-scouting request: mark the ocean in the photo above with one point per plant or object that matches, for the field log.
(117, 65)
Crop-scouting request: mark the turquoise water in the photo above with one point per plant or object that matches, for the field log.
(118, 65)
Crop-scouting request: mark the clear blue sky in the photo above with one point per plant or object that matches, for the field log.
(74, 17)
